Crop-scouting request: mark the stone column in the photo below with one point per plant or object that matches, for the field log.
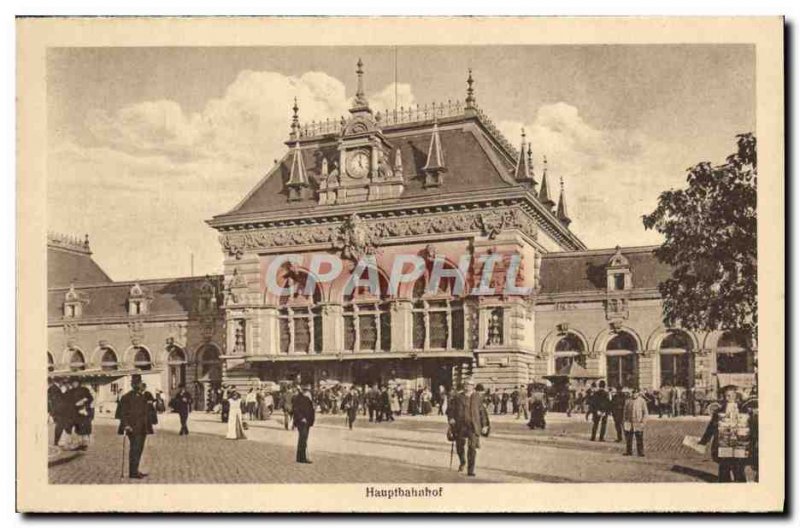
(402, 325)
(332, 329)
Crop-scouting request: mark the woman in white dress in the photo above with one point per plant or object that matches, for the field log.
(235, 421)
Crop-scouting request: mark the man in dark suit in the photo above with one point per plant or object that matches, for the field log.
(303, 416)
(599, 406)
(618, 397)
(182, 404)
(350, 406)
(467, 422)
(135, 422)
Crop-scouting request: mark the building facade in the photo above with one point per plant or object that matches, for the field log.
(522, 296)
(171, 331)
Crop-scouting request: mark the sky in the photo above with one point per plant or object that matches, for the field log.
(146, 144)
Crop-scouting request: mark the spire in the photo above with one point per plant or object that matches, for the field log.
(298, 178)
(470, 91)
(295, 121)
(434, 167)
(360, 103)
(524, 169)
(544, 192)
(561, 213)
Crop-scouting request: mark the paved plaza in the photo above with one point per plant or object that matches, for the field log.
(410, 449)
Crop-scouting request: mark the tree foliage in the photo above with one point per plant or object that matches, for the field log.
(710, 242)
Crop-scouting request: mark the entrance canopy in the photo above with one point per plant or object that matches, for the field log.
(572, 371)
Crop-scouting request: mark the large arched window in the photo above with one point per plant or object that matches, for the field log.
(176, 364)
(569, 349)
(734, 354)
(367, 321)
(674, 359)
(77, 361)
(210, 363)
(108, 361)
(621, 364)
(300, 315)
(141, 359)
(438, 316)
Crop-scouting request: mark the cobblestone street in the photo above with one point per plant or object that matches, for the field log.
(411, 449)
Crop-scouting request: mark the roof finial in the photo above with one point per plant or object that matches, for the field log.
(523, 172)
(295, 120)
(360, 102)
(470, 91)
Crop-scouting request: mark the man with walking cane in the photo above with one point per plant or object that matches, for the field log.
(468, 422)
(134, 424)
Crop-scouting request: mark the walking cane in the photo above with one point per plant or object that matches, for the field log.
(122, 467)
(452, 445)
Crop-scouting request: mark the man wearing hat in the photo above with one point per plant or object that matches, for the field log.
(467, 423)
(134, 422)
(303, 417)
(182, 404)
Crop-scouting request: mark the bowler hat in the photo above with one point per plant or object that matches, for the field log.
(136, 378)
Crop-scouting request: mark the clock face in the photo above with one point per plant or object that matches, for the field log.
(358, 164)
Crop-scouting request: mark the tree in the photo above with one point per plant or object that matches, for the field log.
(710, 242)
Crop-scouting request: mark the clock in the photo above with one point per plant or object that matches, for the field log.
(358, 164)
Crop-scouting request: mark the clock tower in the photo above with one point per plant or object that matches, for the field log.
(365, 170)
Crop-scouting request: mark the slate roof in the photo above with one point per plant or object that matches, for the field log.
(472, 165)
(172, 297)
(65, 266)
(585, 271)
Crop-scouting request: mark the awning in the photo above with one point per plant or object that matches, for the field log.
(744, 380)
(444, 354)
(99, 373)
(573, 371)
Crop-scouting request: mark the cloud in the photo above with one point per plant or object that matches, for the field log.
(150, 173)
(612, 176)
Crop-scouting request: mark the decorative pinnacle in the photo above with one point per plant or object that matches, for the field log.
(470, 91)
(360, 100)
(295, 120)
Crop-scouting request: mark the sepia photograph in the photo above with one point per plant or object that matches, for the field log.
(396, 266)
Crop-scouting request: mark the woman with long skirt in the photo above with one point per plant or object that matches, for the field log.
(235, 421)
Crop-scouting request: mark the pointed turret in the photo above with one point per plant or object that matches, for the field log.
(298, 178)
(360, 103)
(523, 172)
(561, 212)
(434, 167)
(544, 192)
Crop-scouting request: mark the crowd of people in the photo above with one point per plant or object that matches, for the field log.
(467, 410)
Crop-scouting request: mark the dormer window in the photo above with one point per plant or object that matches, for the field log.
(618, 272)
(73, 303)
(207, 297)
(137, 301)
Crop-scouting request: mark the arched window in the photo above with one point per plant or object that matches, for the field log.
(735, 354)
(51, 364)
(675, 361)
(300, 315)
(569, 350)
(210, 364)
(367, 321)
(621, 364)
(77, 361)
(108, 361)
(176, 365)
(438, 316)
(141, 359)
